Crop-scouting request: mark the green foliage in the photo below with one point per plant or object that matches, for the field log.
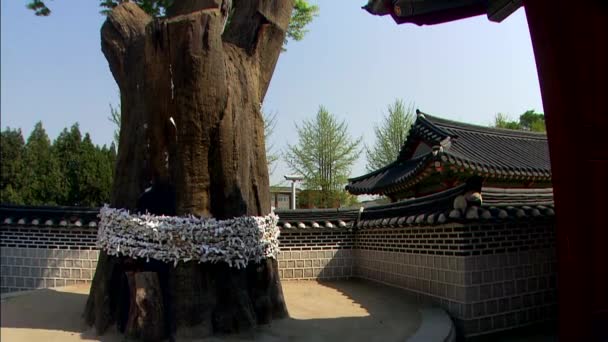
(528, 121)
(532, 121)
(155, 8)
(66, 149)
(390, 136)
(42, 176)
(324, 154)
(334, 199)
(39, 8)
(95, 174)
(303, 13)
(71, 171)
(12, 148)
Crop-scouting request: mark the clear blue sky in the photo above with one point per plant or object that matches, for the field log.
(353, 63)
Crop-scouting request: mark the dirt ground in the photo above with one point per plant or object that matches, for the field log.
(351, 310)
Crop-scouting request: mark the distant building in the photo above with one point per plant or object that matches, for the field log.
(280, 197)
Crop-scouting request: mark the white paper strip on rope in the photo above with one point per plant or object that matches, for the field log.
(172, 239)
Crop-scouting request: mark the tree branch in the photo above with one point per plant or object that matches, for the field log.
(259, 27)
(124, 25)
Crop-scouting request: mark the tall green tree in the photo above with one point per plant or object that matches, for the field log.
(41, 170)
(67, 150)
(94, 174)
(12, 147)
(324, 155)
(390, 135)
(528, 121)
(532, 121)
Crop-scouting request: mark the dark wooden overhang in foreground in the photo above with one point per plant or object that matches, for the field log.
(570, 41)
(453, 150)
(429, 12)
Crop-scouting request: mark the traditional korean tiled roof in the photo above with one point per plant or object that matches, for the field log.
(48, 216)
(460, 205)
(317, 218)
(492, 153)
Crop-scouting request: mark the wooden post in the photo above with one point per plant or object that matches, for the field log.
(570, 41)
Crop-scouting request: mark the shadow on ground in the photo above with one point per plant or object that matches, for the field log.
(354, 310)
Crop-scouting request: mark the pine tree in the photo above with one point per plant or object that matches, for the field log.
(12, 148)
(41, 170)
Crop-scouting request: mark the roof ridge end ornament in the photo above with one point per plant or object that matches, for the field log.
(437, 149)
(419, 113)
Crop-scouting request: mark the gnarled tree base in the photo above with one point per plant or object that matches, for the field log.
(193, 299)
(191, 91)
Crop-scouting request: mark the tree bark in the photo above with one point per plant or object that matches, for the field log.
(191, 94)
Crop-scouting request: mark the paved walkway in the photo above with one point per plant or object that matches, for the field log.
(351, 310)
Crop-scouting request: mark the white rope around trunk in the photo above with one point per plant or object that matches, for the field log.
(235, 241)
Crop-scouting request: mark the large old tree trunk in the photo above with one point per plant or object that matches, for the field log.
(191, 125)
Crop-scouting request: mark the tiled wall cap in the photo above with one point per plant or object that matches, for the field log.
(410, 219)
(328, 224)
(460, 202)
(341, 224)
(301, 225)
(472, 213)
(287, 225)
(502, 214)
(486, 214)
(315, 225)
(454, 213)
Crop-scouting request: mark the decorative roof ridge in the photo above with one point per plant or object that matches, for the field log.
(439, 123)
(316, 210)
(393, 164)
(417, 201)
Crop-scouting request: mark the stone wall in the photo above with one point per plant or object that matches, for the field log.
(43, 257)
(316, 254)
(488, 277)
